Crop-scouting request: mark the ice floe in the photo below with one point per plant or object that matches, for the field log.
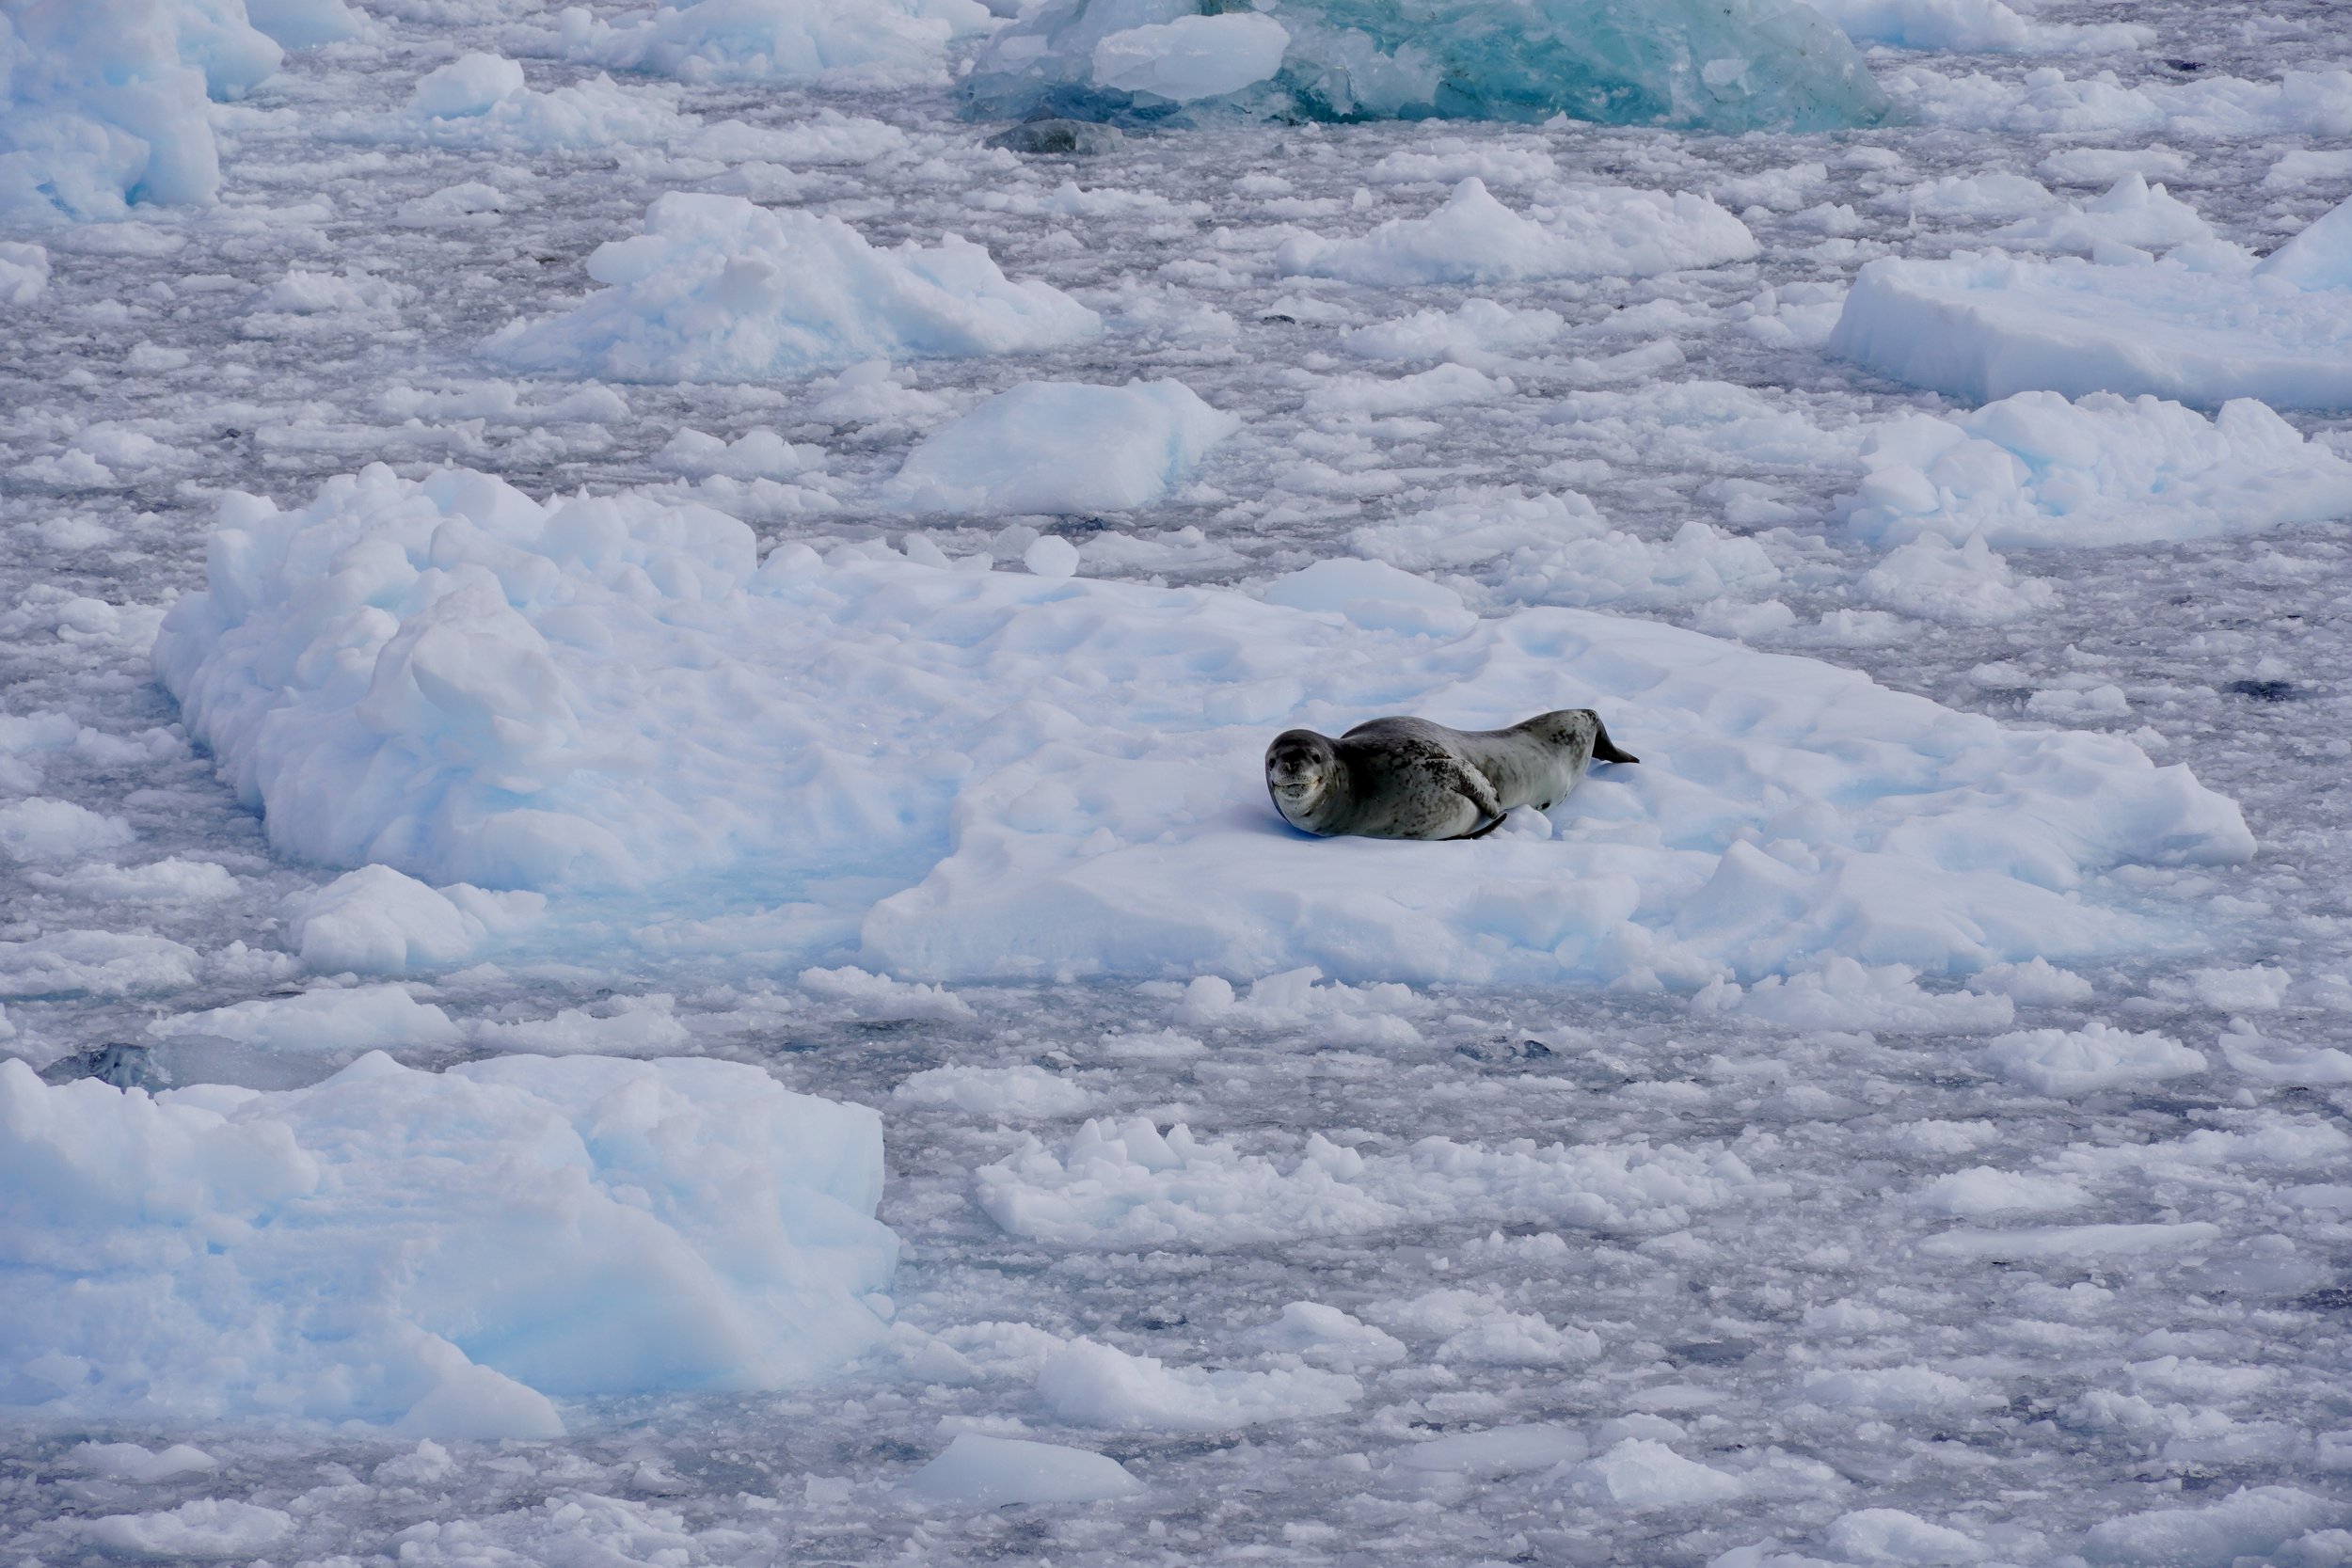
(2034, 470)
(375, 921)
(102, 106)
(1062, 447)
(841, 43)
(1732, 66)
(969, 772)
(980, 1471)
(1591, 231)
(1086, 1383)
(1975, 26)
(718, 289)
(447, 1252)
(1982, 326)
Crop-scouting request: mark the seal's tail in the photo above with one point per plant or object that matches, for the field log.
(1606, 749)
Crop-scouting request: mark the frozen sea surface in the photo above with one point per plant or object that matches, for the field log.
(1831, 1258)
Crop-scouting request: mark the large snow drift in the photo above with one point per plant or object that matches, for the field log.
(444, 1251)
(1721, 65)
(2035, 469)
(718, 289)
(1062, 447)
(1597, 231)
(103, 103)
(1983, 326)
(1063, 776)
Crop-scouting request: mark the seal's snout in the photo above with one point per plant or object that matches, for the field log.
(1297, 763)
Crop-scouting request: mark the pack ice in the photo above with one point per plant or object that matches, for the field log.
(946, 771)
(2201, 326)
(447, 1252)
(1721, 65)
(717, 289)
(106, 104)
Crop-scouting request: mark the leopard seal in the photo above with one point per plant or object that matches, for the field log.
(1408, 778)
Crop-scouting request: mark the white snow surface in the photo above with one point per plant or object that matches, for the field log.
(447, 1252)
(1191, 58)
(2200, 329)
(838, 42)
(450, 678)
(718, 289)
(1594, 232)
(1974, 26)
(980, 1471)
(104, 104)
(2036, 471)
(1062, 447)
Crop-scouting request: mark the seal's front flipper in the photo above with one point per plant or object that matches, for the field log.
(1481, 833)
(1605, 750)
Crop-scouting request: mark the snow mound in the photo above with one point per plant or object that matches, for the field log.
(480, 100)
(1891, 1535)
(375, 921)
(23, 272)
(365, 1017)
(2047, 101)
(1729, 65)
(2096, 1056)
(2253, 1522)
(992, 1472)
(717, 289)
(1642, 1473)
(606, 694)
(447, 1252)
(834, 43)
(1976, 27)
(1983, 326)
(2035, 471)
(1062, 447)
(206, 1528)
(1126, 1185)
(1086, 1383)
(103, 103)
(1596, 231)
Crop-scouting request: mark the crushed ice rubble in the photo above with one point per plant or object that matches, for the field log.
(565, 1000)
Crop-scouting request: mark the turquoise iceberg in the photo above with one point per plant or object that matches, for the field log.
(1706, 65)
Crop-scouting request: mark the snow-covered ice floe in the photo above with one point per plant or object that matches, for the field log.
(2202, 325)
(1720, 65)
(447, 1252)
(1062, 447)
(947, 772)
(2035, 471)
(1596, 231)
(104, 106)
(718, 289)
(833, 43)
(1975, 26)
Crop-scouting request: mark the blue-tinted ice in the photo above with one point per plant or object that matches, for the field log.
(1716, 65)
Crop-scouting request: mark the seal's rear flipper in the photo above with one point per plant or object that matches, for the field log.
(1605, 750)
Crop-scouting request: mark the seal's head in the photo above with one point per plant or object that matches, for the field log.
(1302, 768)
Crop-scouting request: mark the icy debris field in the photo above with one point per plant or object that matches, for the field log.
(637, 922)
